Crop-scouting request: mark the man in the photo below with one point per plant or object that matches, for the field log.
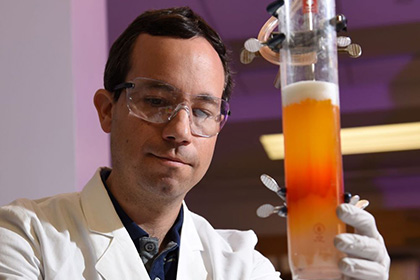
(167, 83)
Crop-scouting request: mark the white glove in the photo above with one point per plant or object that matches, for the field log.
(367, 257)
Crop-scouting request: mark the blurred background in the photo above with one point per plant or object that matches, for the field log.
(52, 55)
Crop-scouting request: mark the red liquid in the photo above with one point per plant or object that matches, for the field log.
(314, 182)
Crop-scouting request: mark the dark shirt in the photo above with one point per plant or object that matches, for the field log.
(162, 266)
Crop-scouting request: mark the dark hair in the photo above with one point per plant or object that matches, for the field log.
(174, 22)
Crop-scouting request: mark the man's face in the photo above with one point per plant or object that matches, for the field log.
(165, 160)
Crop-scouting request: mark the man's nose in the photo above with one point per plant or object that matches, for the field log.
(178, 108)
(178, 128)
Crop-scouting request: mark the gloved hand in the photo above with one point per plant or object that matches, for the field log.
(367, 257)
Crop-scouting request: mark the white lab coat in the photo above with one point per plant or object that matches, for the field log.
(80, 236)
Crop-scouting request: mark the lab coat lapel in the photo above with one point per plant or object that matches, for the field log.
(191, 263)
(121, 260)
(116, 255)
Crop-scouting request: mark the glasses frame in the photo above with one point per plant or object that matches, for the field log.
(131, 84)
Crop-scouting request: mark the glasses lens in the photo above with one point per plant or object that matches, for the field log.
(151, 100)
(208, 115)
(158, 102)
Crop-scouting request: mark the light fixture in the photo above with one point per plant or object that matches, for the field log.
(360, 140)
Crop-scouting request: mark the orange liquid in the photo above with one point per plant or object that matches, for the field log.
(314, 183)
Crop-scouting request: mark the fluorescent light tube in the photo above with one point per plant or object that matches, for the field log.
(360, 140)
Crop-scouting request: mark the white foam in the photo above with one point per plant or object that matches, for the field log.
(318, 90)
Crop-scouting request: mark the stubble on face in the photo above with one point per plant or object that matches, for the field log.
(147, 164)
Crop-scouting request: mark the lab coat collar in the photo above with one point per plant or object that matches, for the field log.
(117, 257)
(190, 264)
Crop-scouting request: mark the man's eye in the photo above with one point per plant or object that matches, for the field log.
(202, 114)
(155, 101)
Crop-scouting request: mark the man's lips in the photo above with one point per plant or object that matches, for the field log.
(173, 159)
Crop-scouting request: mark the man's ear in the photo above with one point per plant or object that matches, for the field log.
(104, 103)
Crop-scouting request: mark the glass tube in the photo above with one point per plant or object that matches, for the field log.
(311, 128)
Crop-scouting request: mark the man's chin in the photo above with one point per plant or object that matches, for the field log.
(171, 187)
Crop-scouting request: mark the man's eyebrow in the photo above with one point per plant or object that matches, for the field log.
(207, 97)
(161, 86)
